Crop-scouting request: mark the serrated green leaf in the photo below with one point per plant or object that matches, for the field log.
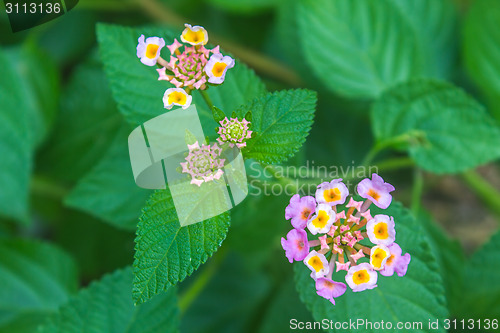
(218, 114)
(417, 295)
(480, 292)
(106, 306)
(35, 279)
(282, 120)
(167, 253)
(480, 48)
(248, 116)
(109, 191)
(28, 93)
(457, 132)
(85, 127)
(360, 48)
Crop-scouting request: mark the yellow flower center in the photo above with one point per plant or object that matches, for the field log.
(361, 276)
(151, 50)
(194, 36)
(332, 194)
(380, 230)
(389, 260)
(374, 194)
(218, 69)
(177, 97)
(315, 262)
(378, 257)
(321, 220)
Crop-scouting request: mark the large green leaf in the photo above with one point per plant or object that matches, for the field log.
(416, 297)
(39, 85)
(436, 27)
(139, 93)
(481, 290)
(106, 306)
(259, 211)
(109, 249)
(332, 114)
(28, 93)
(135, 86)
(282, 121)
(58, 40)
(450, 259)
(239, 292)
(109, 191)
(85, 127)
(480, 47)
(35, 279)
(359, 48)
(167, 253)
(246, 6)
(284, 306)
(447, 130)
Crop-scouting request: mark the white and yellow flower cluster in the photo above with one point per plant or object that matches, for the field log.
(195, 68)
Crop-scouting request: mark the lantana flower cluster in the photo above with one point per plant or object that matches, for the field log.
(203, 163)
(191, 65)
(235, 132)
(338, 236)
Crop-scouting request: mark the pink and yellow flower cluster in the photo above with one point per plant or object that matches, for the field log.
(191, 65)
(203, 163)
(342, 236)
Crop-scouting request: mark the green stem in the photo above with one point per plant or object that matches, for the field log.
(281, 178)
(188, 297)
(404, 138)
(483, 189)
(46, 188)
(207, 99)
(418, 186)
(395, 163)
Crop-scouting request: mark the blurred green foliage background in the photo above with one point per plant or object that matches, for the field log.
(65, 177)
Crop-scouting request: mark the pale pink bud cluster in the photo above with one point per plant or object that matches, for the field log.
(234, 132)
(203, 163)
